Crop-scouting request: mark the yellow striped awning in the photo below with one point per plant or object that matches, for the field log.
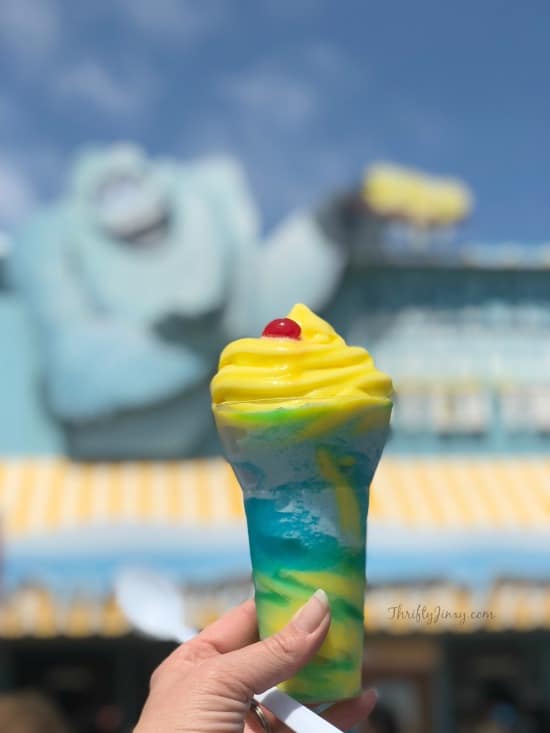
(44, 496)
(41, 497)
(393, 609)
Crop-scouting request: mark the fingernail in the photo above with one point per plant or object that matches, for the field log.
(313, 612)
(373, 692)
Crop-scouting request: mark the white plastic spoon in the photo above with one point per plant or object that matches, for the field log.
(154, 606)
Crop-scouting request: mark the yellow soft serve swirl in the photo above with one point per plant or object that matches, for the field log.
(320, 365)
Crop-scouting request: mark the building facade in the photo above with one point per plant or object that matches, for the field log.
(458, 606)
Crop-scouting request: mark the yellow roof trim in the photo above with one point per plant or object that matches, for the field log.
(45, 496)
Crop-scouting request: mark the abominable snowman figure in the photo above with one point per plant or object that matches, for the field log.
(139, 276)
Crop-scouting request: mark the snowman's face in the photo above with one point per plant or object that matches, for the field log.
(131, 210)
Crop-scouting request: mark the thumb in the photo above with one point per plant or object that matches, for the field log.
(277, 658)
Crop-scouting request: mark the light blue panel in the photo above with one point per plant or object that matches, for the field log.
(25, 428)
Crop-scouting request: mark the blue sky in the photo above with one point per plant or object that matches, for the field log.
(305, 92)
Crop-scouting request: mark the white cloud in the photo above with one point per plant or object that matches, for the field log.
(16, 193)
(285, 173)
(272, 116)
(289, 90)
(93, 82)
(30, 29)
(182, 19)
(29, 175)
(329, 63)
(271, 96)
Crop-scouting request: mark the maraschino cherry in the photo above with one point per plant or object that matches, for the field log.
(284, 328)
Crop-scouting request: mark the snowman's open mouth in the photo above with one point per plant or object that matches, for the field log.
(151, 235)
